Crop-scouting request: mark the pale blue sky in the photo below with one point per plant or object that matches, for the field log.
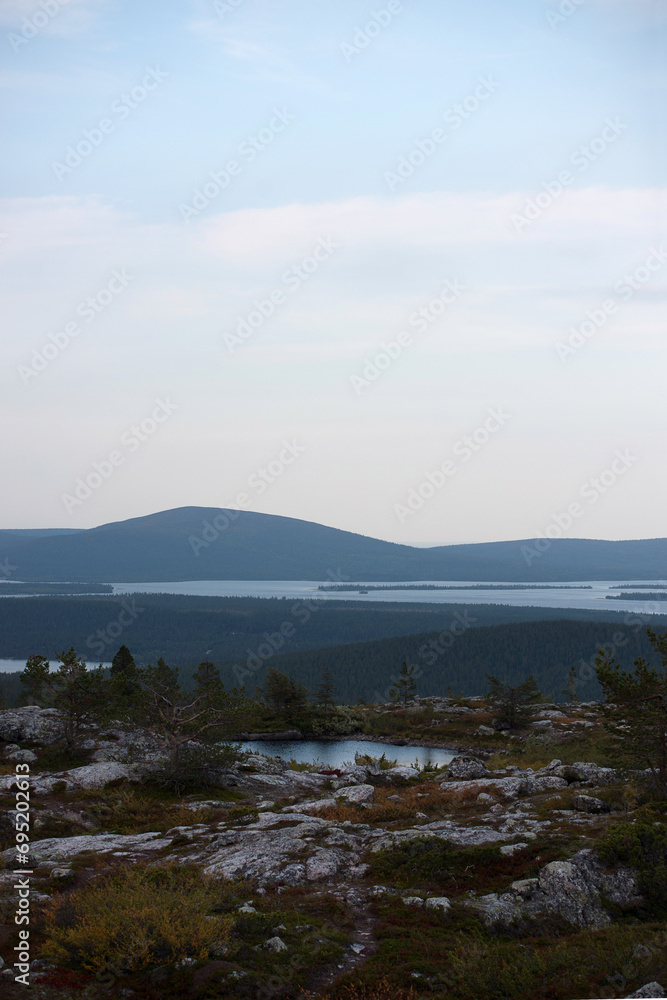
(582, 96)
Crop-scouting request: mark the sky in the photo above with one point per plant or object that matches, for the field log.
(395, 267)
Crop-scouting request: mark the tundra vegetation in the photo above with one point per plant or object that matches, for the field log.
(168, 863)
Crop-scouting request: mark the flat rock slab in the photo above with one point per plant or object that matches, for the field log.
(90, 777)
(277, 857)
(466, 836)
(61, 848)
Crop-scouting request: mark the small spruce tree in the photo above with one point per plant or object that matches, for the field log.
(512, 704)
(405, 686)
(324, 696)
(635, 710)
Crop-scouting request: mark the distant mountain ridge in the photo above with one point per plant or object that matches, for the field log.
(206, 543)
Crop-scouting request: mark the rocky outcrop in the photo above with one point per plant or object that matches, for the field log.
(288, 855)
(575, 891)
(29, 723)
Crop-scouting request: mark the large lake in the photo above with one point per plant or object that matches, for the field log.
(590, 594)
(335, 754)
(10, 666)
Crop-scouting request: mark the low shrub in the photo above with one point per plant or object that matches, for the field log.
(457, 959)
(367, 760)
(437, 865)
(129, 809)
(643, 845)
(431, 860)
(135, 917)
(196, 768)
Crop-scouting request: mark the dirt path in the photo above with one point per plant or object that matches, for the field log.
(363, 943)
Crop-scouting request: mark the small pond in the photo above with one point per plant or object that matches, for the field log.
(336, 753)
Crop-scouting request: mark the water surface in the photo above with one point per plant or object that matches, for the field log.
(335, 754)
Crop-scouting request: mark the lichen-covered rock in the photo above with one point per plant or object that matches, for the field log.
(570, 896)
(276, 945)
(276, 856)
(356, 774)
(440, 903)
(484, 731)
(496, 912)
(28, 723)
(62, 848)
(88, 777)
(467, 836)
(400, 773)
(543, 783)
(587, 773)
(524, 887)
(357, 794)
(21, 756)
(589, 804)
(650, 991)
(509, 787)
(620, 886)
(94, 776)
(322, 864)
(465, 768)
(509, 850)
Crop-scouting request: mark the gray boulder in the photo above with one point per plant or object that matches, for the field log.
(509, 788)
(524, 887)
(570, 896)
(587, 773)
(649, 992)
(400, 773)
(439, 903)
(544, 783)
(356, 774)
(496, 912)
(485, 731)
(465, 768)
(589, 804)
(356, 794)
(276, 945)
(619, 886)
(21, 756)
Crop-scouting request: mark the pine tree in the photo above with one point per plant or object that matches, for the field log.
(283, 694)
(175, 718)
(79, 694)
(405, 686)
(324, 696)
(635, 710)
(570, 689)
